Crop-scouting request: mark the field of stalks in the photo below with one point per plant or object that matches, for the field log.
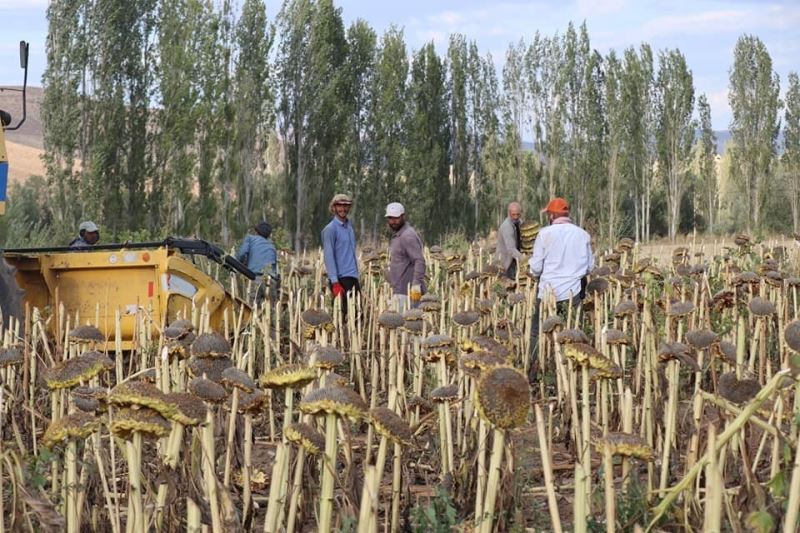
(667, 401)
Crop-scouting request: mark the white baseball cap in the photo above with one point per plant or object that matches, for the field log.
(88, 226)
(395, 209)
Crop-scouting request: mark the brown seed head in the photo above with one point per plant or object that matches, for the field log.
(144, 394)
(212, 344)
(341, 401)
(503, 397)
(86, 333)
(701, 339)
(235, 377)
(389, 424)
(149, 423)
(552, 324)
(627, 445)
(446, 393)
(207, 390)
(307, 437)
(210, 367)
(78, 426)
(10, 356)
(71, 372)
(625, 308)
(761, 307)
(792, 335)
(292, 376)
(391, 320)
(679, 352)
(737, 390)
(189, 408)
(569, 336)
(466, 318)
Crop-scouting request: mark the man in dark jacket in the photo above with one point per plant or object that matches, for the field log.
(406, 261)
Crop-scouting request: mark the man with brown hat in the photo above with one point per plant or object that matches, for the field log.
(339, 250)
(562, 257)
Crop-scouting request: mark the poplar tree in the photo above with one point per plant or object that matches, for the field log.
(674, 129)
(791, 147)
(707, 151)
(753, 97)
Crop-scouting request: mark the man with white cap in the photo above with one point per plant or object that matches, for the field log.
(88, 235)
(406, 261)
(339, 250)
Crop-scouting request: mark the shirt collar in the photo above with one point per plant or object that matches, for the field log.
(344, 224)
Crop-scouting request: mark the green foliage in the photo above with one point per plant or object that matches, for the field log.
(439, 516)
(196, 117)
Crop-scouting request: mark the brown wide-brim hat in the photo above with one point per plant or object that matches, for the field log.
(340, 199)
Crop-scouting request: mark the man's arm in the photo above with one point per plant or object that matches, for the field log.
(328, 244)
(536, 262)
(244, 249)
(272, 260)
(590, 255)
(509, 240)
(414, 251)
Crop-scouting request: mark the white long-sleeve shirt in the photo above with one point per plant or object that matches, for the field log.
(562, 255)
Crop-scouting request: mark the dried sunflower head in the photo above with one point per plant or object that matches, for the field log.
(78, 425)
(210, 367)
(11, 356)
(389, 424)
(207, 390)
(341, 401)
(680, 309)
(792, 335)
(569, 336)
(250, 402)
(627, 445)
(746, 278)
(466, 318)
(293, 376)
(189, 408)
(616, 337)
(71, 372)
(86, 333)
(474, 362)
(143, 394)
(233, 377)
(316, 318)
(552, 324)
(446, 393)
(701, 339)
(726, 351)
(149, 423)
(327, 357)
(737, 390)
(391, 320)
(482, 343)
(625, 244)
(625, 308)
(437, 341)
(503, 397)
(761, 307)
(597, 286)
(208, 345)
(90, 399)
(679, 352)
(307, 437)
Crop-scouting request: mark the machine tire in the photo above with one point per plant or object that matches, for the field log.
(11, 302)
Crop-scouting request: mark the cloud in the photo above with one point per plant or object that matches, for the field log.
(593, 8)
(22, 4)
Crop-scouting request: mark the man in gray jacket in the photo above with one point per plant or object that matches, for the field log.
(406, 261)
(509, 240)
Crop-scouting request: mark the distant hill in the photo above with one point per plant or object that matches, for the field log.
(30, 134)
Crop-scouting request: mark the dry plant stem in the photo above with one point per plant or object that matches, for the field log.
(608, 475)
(396, 485)
(493, 485)
(793, 509)
(547, 468)
(135, 522)
(669, 430)
(579, 503)
(226, 479)
(248, 464)
(326, 496)
(297, 484)
(732, 429)
(479, 493)
(72, 486)
(586, 455)
(209, 474)
(113, 512)
(273, 504)
(714, 488)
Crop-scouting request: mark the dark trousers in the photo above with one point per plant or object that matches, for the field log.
(511, 271)
(561, 310)
(349, 284)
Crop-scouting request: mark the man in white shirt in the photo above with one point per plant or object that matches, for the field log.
(562, 257)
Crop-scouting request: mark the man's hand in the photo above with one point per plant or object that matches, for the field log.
(415, 294)
(337, 289)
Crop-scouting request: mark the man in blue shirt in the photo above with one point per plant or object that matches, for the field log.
(339, 250)
(262, 258)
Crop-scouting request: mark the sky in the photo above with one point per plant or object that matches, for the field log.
(704, 30)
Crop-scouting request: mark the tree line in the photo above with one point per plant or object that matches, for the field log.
(192, 117)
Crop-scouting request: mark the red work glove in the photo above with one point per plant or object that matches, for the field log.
(337, 289)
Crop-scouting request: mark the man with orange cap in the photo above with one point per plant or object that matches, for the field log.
(562, 257)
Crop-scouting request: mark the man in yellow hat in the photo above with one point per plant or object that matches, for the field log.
(339, 250)
(562, 257)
